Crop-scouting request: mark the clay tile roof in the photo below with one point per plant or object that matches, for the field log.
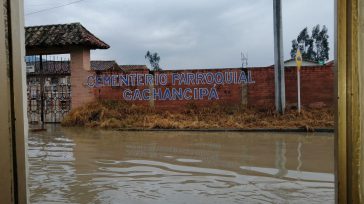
(61, 35)
(133, 67)
(104, 65)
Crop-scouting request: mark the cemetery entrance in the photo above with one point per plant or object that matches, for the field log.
(48, 88)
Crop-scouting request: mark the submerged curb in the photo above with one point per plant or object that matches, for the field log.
(321, 130)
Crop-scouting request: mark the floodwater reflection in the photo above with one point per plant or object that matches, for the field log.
(75, 165)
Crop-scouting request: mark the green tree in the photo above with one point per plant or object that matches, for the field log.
(153, 59)
(314, 47)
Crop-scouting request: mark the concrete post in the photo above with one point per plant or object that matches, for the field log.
(80, 70)
(280, 92)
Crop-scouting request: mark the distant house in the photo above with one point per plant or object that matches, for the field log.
(132, 68)
(112, 67)
(63, 67)
(104, 66)
(305, 63)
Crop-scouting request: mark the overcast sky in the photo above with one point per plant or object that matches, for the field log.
(188, 33)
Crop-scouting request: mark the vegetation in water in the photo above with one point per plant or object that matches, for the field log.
(116, 114)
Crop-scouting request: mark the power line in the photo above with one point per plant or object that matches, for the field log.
(47, 9)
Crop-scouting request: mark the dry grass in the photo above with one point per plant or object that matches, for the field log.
(113, 114)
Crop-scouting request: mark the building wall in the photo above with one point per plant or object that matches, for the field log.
(317, 87)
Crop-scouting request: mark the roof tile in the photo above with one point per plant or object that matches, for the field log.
(133, 67)
(61, 35)
(104, 65)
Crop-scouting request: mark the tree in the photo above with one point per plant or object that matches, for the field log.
(313, 48)
(153, 60)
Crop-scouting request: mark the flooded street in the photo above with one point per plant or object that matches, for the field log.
(75, 165)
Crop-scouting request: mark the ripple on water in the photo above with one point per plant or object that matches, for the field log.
(189, 160)
(137, 179)
(86, 168)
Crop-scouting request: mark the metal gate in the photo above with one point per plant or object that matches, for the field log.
(48, 89)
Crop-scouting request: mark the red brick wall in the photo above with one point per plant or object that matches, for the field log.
(261, 93)
(116, 93)
(317, 86)
(228, 94)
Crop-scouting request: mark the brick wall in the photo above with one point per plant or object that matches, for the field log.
(261, 93)
(317, 86)
(228, 94)
(116, 93)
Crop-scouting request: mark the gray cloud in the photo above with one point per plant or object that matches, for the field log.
(189, 33)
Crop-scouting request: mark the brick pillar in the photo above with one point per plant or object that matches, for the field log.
(80, 70)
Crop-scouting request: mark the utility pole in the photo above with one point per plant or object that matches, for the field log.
(280, 89)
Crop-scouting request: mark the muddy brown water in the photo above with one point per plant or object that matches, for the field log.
(75, 165)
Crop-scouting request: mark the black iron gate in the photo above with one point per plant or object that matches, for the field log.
(48, 88)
